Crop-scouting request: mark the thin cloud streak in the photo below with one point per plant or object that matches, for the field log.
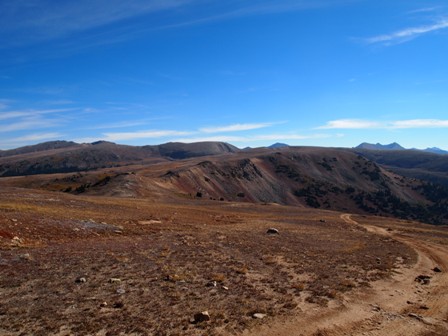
(397, 124)
(25, 140)
(30, 113)
(235, 128)
(142, 135)
(29, 124)
(123, 124)
(408, 33)
(63, 19)
(255, 138)
(350, 124)
(420, 123)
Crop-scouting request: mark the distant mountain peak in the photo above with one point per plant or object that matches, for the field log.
(378, 146)
(101, 142)
(278, 145)
(436, 150)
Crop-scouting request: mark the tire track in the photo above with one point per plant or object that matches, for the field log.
(396, 306)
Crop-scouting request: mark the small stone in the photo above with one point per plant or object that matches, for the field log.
(423, 279)
(16, 241)
(201, 317)
(376, 308)
(103, 304)
(120, 291)
(418, 317)
(114, 280)
(272, 231)
(437, 269)
(118, 305)
(25, 256)
(225, 288)
(212, 284)
(80, 280)
(424, 307)
(258, 316)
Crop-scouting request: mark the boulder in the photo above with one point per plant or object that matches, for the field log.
(80, 280)
(423, 279)
(272, 231)
(201, 317)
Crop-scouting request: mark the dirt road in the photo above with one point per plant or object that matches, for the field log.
(397, 306)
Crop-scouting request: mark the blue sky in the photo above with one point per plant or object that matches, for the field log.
(248, 72)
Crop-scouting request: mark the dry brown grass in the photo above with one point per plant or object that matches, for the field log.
(165, 267)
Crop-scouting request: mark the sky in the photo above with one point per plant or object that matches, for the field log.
(331, 73)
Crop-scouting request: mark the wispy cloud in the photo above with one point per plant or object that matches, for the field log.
(395, 124)
(249, 139)
(49, 20)
(29, 124)
(30, 138)
(122, 124)
(424, 10)
(420, 123)
(37, 137)
(30, 113)
(122, 136)
(350, 124)
(235, 128)
(408, 34)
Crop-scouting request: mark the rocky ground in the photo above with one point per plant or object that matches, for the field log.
(79, 265)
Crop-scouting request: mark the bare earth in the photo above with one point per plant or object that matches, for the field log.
(79, 265)
(396, 306)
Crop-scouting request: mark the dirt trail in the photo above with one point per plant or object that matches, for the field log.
(397, 306)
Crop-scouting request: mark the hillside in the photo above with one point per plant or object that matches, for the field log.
(412, 163)
(333, 179)
(62, 157)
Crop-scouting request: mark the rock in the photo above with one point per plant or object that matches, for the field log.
(225, 288)
(114, 280)
(80, 280)
(118, 305)
(423, 279)
(258, 316)
(322, 220)
(376, 308)
(212, 284)
(417, 317)
(424, 307)
(103, 304)
(120, 291)
(201, 317)
(16, 241)
(272, 231)
(425, 320)
(437, 269)
(25, 256)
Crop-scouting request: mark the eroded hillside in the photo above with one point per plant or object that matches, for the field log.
(335, 179)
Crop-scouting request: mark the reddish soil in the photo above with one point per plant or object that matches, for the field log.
(79, 265)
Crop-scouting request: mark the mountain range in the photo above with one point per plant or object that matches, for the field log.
(395, 146)
(407, 184)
